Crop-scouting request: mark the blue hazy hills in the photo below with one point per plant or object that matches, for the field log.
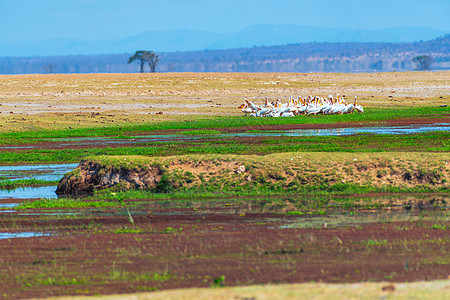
(192, 40)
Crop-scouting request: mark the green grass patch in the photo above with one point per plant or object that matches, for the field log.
(441, 226)
(65, 203)
(299, 213)
(13, 184)
(135, 230)
(373, 243)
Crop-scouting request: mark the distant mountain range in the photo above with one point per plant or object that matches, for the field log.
(301, 57)
(194, 40)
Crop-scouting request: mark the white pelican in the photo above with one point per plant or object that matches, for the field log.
(311, 105)
(358, 107)
(252, 105)
(245, 108)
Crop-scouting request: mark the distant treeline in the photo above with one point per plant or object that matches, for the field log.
(307, 57)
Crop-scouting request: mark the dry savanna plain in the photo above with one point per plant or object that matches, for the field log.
(172, 192)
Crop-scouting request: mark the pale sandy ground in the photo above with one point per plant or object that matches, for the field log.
(209, 93)
(433, 290)
(29, 102)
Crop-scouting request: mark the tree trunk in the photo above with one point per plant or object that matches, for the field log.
(142, 67)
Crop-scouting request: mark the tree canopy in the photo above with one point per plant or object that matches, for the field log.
(142, 57)
(152, 59)
(423, 62)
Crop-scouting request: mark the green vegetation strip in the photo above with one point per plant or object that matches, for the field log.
(210, 193)
(64, 203)
(13, 184)
(372, 115)
(429, 142)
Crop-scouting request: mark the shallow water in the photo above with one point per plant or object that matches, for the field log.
(360, 218)
(29, 193)
(9, 235)
(48, 172)
(311, 132)
(8, 205)
(352, 131)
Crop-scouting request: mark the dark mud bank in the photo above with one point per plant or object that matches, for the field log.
(91, 176)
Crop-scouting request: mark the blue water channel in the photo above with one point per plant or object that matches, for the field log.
(352, 131)
(47, 172)
(9, 235)
(29, 193)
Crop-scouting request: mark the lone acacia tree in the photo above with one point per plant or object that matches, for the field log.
(423, 62)
(142, 57)
(49, 68)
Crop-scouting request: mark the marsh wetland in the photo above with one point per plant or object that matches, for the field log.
(324, 199)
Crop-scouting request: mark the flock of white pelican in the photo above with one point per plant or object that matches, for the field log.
(301, 106)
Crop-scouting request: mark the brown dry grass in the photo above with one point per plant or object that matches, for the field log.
(181, 94)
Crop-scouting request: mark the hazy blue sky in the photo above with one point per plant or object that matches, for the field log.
(36, 20)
